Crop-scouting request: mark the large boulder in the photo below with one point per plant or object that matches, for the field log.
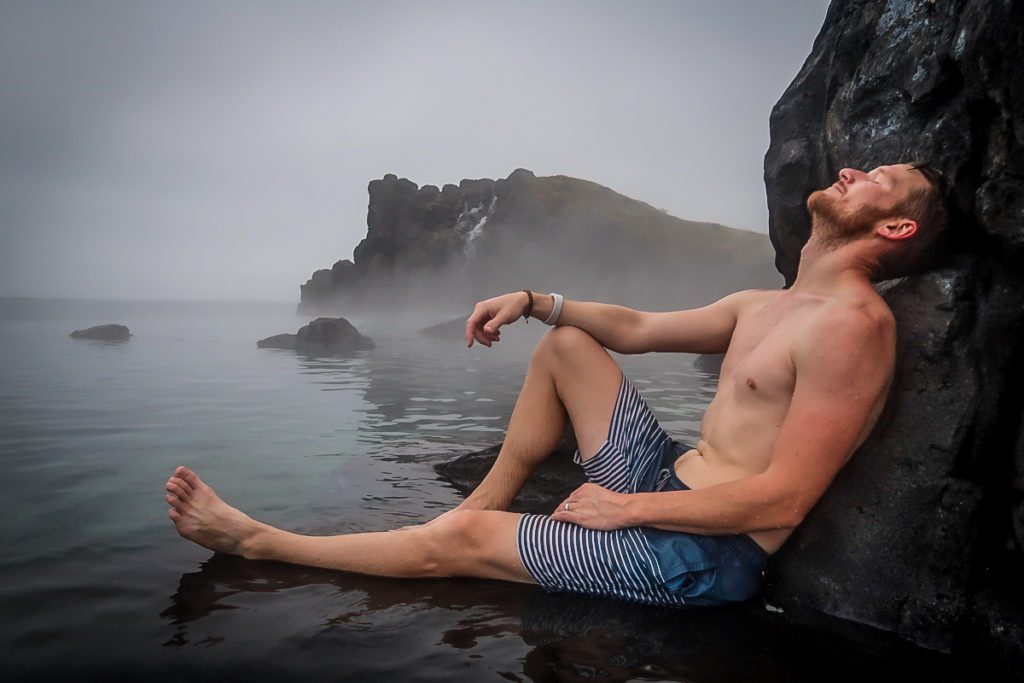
(921, 534)
(108, 332)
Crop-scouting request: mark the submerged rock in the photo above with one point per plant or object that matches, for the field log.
(108, 332)
(323, 335)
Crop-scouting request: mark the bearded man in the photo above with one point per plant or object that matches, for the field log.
(804, 379)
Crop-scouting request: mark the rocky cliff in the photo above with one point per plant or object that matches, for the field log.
(922, 533)
(460, 243)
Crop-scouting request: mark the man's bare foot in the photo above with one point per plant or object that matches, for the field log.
(202, 517)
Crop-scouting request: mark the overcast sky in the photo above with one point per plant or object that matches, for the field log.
(221, 150)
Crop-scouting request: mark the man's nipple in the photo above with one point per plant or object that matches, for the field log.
(752, 384)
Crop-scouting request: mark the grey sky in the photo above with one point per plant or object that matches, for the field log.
(221, 150)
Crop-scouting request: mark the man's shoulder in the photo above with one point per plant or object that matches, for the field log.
(747, 299)
(864, 310)
(851, 326)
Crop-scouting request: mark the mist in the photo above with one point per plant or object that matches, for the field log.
(221, 151)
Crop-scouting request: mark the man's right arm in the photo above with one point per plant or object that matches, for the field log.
(618, 328)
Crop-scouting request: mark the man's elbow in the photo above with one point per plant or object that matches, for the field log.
(791, 511)
(791, 520)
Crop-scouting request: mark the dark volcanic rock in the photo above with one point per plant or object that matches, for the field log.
(551, 483)
(323, 335)
(893, 542)
(926, 518)
(109, 332)
(331, 333)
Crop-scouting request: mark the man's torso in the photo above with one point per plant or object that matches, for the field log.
(755, 388)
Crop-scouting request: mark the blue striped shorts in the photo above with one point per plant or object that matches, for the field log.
(642, 564)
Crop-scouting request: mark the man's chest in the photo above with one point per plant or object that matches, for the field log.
(759, 360)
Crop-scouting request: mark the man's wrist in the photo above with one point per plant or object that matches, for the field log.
(633, 510)
(542, 304)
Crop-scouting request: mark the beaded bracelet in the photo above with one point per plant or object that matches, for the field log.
(529, 305)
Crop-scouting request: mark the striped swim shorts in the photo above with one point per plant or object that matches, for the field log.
(642, 564)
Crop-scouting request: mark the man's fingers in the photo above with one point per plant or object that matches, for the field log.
(473, 324)
(562, 515)
(500, 318)
(482, 335)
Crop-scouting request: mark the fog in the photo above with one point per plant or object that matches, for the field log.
(198, 150)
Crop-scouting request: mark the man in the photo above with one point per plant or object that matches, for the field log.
(804, 379)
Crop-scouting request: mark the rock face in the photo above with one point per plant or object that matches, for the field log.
(452, 246)
(922, 532)
(108, 332)
(323, 335)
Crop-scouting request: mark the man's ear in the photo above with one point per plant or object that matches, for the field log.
(896, 228)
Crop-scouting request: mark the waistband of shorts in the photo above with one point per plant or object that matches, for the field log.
(742, 544)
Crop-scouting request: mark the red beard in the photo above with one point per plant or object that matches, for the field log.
(836, 227)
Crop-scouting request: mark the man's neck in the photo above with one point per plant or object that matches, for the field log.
(826, 269)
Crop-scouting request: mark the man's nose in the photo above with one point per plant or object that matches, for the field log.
(848, 175)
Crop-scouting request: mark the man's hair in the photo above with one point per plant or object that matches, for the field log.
(932, 208)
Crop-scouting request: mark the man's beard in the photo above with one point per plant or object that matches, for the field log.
(835, 228)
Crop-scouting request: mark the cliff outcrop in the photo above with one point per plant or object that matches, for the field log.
(457, 244)
(922, 532)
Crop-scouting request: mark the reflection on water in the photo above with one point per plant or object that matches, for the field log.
(95, 581)
(466, 628)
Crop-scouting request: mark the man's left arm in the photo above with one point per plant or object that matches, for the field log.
(843, 368)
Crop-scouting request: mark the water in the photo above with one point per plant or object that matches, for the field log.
(96, 581)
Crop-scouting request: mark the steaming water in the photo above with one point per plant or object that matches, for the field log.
(94, 579)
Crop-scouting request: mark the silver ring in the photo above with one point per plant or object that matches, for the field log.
(567, 508)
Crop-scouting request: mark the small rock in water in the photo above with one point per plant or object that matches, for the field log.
(109, 332)
(323, 335)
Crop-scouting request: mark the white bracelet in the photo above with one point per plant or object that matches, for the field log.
(556, 309)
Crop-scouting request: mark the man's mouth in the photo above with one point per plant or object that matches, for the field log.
(839, 188)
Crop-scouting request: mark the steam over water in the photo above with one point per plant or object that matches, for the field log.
(95, 580)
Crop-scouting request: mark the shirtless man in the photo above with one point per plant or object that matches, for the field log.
(804, 379)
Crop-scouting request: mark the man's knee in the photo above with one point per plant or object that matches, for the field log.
(475, 543)
(567, 342)
(452, 541)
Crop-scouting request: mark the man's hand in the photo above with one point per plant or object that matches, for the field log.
(488, 316)
(594, 507)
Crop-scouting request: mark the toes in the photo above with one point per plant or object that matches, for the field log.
(174, 515)
(177, 489)
(173, 500)
(190, 477)
(180, 482)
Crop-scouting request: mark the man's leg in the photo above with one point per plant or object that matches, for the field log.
(570, 375)
(464, 543)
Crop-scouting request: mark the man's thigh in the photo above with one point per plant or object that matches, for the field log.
(588, 381)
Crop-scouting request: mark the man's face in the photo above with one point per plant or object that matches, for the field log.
(857, 202)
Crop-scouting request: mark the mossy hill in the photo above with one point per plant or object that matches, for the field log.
(482, 237)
